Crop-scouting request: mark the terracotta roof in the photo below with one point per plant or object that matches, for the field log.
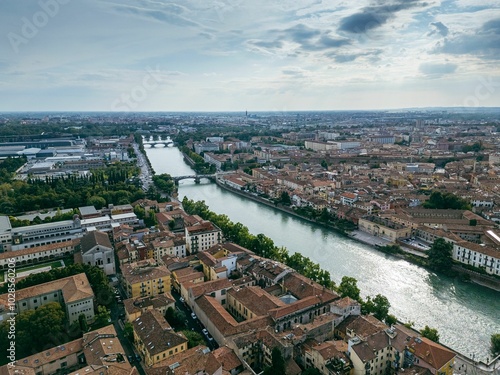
(227, 357)
(155, 333)
(430, 352)
(367, 350)
(256, 299)
(39, 249)
(191, 361)
(143, 271)
(95, 238)
(361, 325)
(74, 288)
(224, 322)
(209, 287)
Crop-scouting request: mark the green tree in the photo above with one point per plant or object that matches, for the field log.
(495, 343)
(378, 306)
(194, 338)
(97, 202)
(102, 318)
(285, 198)
(430, 333)
(128, 331)
(278, 363)
(348, 288)
(439, 256)
(82, 320)
(47, 318)
(446, 201)
(390, 320)
(175, 318)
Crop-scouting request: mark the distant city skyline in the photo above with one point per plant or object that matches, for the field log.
(235, 55)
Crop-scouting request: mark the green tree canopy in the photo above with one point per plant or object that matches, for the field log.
(194, 338)
(348, 288)
(430, 333)
(440, 256)
(278, 363)
(378, 306)
(446, 201)
(495, 343)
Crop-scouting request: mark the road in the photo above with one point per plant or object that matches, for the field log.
(192, 324)
(146, 173)
(118, 310)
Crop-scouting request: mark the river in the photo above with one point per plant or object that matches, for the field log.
(465, 314)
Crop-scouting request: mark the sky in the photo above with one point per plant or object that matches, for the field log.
(255, 55)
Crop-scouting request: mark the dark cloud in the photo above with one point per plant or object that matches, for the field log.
(309, 39)
(301, 33)
(375, 16)
(437, 69)
(484, 43)
(438, 28)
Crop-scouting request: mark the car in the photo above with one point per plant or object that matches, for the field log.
(130, 358)
(193, 315)
(205, 332)
(210, 338)
(181, 299)
(138, 358)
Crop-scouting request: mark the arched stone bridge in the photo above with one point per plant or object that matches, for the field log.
(154, 143)
(195, 177)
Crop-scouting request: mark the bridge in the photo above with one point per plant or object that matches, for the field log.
(155, 143)
(196, 177)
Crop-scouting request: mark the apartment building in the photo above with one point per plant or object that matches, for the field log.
(202, 236)
(145, 278)
(155, 339)
(73, 293)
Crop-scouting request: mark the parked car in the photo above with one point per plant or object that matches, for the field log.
(205, 332)
(130, 358)
(181, 299)
(193, 315)
(138, 358)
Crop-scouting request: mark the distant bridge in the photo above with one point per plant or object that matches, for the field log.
(155, 143)
(195, 177)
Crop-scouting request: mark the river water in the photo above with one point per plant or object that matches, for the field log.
(465, 315)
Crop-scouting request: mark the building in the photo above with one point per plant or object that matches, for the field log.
(96, 250)
(38, 254)
(44, 234)
(155, 339)
(96, 353)
(384, 228)
(477, 255)
(73, 293)
(145, 278)
(135, 307)
(202, 236)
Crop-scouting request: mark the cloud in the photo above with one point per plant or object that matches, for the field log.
(345, 58)
(170, 15)
(373, 17)
(484, 42)
(438, 28)
(436, 70)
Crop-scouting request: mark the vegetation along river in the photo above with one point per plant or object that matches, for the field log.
(465, 314)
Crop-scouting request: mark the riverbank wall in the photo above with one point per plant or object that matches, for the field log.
(277, 207)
